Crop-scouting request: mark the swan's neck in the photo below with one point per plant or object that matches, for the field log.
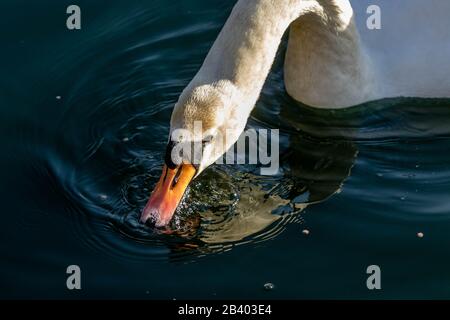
(247, 45)
(326, 65)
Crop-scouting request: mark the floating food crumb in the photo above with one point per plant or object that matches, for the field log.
(305, 231)
(58, 97)
(420, 234)
(126, 139)
(269, 286)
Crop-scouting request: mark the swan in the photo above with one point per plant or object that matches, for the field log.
(333, 60)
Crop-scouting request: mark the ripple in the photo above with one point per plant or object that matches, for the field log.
(104, 154)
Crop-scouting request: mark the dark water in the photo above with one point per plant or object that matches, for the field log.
(84, 122)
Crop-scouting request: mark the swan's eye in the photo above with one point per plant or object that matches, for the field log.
(168, 156)
(207, 139)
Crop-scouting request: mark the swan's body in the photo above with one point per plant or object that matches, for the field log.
(332, 61)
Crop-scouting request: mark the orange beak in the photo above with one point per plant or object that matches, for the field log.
(167, 194)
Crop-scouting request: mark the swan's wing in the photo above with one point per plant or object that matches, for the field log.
(412, 48)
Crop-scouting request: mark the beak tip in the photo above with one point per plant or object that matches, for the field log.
(143, 218)
(167, 195)
(155, 217)
(148, 214)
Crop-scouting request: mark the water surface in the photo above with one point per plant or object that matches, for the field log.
(84, 124)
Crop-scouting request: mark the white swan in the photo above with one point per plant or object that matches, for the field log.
(332, 61)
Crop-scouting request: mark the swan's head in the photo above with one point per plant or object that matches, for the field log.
(205, 123)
